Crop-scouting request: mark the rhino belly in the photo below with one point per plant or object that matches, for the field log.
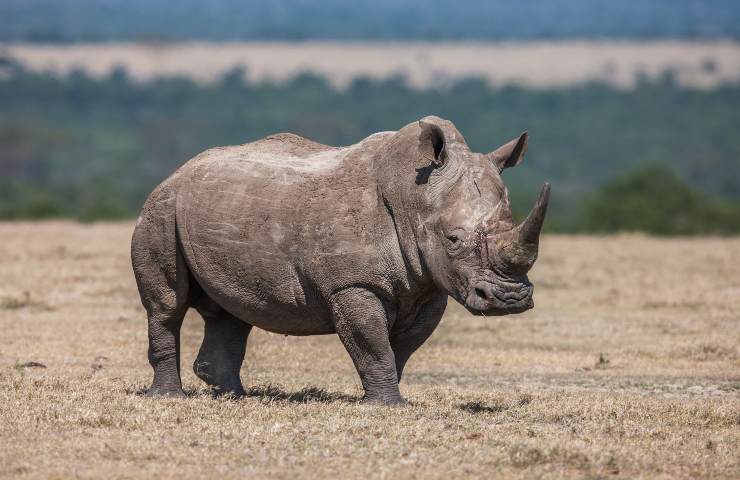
(230, 247)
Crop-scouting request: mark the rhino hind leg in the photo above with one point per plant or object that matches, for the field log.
(164, 354)
(163, 279)
(222, 352)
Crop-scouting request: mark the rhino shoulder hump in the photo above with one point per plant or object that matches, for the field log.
(292, 144)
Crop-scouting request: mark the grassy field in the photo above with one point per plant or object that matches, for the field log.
(629, 366)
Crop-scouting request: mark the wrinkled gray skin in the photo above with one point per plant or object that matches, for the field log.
(299, 238)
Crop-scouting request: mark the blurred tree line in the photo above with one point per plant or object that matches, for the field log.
(654, 199)
(659, 158)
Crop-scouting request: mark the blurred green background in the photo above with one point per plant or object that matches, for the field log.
(660, 157)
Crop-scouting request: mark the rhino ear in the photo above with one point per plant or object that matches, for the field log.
(432, 142)
(510, 154)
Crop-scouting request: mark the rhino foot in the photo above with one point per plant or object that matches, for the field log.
(224, 381)
(222, 352)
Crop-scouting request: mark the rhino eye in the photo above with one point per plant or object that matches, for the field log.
(455, 240)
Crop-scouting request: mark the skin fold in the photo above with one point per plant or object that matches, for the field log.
(298, 238)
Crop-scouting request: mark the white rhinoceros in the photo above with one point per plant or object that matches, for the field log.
(298, 238)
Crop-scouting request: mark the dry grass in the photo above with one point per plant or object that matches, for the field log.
(534, 64)
(628, 367)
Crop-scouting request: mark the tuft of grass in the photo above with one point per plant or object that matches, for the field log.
(602, 361)
(480, 407)
(273, 393)
(523, 456)
(31, 364)
(22, 301)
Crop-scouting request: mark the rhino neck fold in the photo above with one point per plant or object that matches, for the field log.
(406, 241)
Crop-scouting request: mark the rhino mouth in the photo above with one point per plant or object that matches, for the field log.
(499, 296)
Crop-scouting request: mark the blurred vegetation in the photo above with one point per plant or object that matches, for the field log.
(653, 199)
(94, 148)
(165, 20)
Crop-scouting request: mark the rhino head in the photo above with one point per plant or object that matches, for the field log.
(467, 237)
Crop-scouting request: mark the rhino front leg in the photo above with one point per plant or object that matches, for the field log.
(406, 342)
(361, 323)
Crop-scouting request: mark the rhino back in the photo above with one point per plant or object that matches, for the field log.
(270, 229)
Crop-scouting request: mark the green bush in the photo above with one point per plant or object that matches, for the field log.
(655, 200)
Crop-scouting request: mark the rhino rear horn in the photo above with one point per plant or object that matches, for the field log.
(510, 154)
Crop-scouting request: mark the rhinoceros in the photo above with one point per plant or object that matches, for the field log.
(298, 238)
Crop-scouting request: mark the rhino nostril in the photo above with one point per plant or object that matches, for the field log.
(484, 291)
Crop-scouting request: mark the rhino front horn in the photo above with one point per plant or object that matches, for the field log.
(529, 230)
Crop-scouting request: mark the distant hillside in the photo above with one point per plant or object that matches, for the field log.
(535, 64)
(88, 148)
(116, 20)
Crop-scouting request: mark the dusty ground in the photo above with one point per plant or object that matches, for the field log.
(629, 366)
(534, 64)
